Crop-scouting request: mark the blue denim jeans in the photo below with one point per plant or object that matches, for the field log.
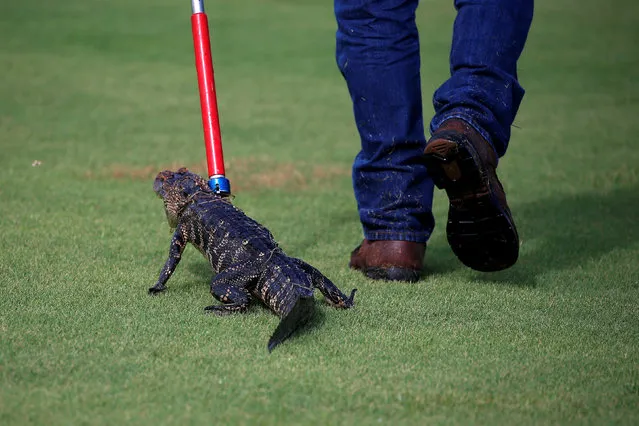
(378, 55)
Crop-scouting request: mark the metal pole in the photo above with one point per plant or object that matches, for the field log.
(208, 99)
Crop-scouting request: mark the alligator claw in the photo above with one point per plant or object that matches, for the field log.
(225, 309)
(156, 290)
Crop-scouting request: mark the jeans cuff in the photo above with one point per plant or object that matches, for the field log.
(416, 237)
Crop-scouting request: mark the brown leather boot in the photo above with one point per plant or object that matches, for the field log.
(480, 229)
(389, 260)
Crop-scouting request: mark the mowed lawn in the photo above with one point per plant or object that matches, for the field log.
(96, 97)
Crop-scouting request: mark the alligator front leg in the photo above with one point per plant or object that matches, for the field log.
(230, 288)
(178, 242)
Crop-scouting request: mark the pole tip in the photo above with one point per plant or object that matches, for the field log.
(197, 6)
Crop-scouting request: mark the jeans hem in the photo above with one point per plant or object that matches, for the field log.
(416, 237)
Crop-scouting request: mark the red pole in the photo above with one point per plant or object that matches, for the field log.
(206, 84)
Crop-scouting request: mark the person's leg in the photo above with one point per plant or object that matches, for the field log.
(488, 38)
(378, 55)
(474, 110)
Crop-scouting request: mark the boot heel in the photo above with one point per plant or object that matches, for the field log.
(450, 165)
(441, 161)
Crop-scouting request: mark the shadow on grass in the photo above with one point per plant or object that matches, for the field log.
(317, 321)
(440, 259)
(563, 232)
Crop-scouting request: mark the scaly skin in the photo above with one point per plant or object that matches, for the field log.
(244, 255)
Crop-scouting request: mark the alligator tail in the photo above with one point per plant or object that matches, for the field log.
(301, 313)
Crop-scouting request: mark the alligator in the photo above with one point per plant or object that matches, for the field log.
(247, 261)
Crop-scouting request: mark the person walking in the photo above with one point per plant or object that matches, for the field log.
(394, 174)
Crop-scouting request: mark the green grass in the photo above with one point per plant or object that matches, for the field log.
(103, 94)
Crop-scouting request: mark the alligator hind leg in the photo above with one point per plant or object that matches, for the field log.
(330, 291)
(230, 288)
(234, 299)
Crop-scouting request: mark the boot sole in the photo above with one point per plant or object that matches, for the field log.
(391, 274)
(480, 229)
